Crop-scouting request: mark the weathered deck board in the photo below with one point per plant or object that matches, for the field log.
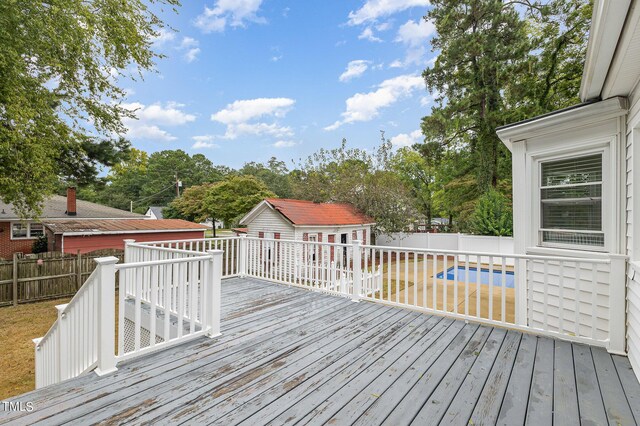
(288, 355)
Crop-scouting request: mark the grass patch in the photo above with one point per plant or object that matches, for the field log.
(389, 287)
(19, 326)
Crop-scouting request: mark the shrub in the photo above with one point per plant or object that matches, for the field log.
(41, 245)
(493, 215)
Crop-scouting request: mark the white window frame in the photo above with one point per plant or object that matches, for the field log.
(608, 195)
(28, 224)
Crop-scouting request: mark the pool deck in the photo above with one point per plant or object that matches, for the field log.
(293, 356)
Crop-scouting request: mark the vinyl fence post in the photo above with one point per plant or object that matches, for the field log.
(213, 292)
(106, 314)
(357, 271)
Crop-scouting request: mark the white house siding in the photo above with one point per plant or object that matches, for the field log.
(270, 221)
(633, 316)
(559, 302)
(633, 269)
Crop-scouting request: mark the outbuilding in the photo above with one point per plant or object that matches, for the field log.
(288, 219)
(71, 236)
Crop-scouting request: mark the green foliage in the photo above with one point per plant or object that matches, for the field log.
(274, 174)
(40, 245)
(493, 215)
(496, 65)
(57, 88)
(352, 175)
(227, 200)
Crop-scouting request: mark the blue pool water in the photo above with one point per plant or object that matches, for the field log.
(484, 276)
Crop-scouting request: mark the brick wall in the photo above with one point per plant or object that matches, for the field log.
(9, 246)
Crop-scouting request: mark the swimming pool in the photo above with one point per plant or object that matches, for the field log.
(484, 276)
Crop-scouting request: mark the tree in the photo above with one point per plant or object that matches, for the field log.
(234, 197)
(419, 176)
(493, 215)
(367, 181)
(274, 174)
(227, 200)
(59, 66)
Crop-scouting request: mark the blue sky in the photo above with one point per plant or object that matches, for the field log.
(245, 80)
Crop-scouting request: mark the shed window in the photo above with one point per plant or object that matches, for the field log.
(571, 202)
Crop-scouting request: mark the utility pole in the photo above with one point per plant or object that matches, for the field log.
(178, 185)
(131, 206)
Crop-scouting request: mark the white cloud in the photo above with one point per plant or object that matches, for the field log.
(228, 12)
(415, 33)
(354, 69)
(237, 116)
(383, 26)
(141, 131)
(366, 106)
(164, 36)
(257, 129)
(367, 34)
(204, 145)
(170, 115)
(190, 46)
(284, 144)
(150, 117)
(245, 110)
(404, 139)
(374, 9)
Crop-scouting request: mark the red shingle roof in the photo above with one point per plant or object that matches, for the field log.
(301, 212)
(121, 225)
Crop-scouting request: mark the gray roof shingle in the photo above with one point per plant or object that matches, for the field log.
(56, 208)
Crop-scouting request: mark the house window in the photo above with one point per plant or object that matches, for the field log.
(571, 202)
(26, 230)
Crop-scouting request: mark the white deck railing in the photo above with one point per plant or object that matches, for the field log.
(573, 298)
(165, 297)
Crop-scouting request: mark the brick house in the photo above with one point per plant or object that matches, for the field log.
(18, 236)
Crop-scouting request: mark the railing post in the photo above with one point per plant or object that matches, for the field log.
(127, 250)
(357, 271)
(617, 304)
(214, 280)
(38, 363)
(521, 283)
(63, 344)
(243, 253)
(106, 314)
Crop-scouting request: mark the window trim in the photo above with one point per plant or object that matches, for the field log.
(602, 148)
(29, 236)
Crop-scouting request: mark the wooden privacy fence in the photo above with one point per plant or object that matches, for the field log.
(45, 276)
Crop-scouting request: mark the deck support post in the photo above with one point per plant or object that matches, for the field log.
(356, 259)
(106, 270)
(243, 254)
(213, 292)
(617, 303)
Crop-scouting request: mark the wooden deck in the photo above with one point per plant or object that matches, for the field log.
(291, 356)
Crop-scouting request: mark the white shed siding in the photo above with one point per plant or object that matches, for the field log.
(270, 221)
(335, 230)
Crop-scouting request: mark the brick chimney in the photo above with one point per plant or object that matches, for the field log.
(71, 201)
